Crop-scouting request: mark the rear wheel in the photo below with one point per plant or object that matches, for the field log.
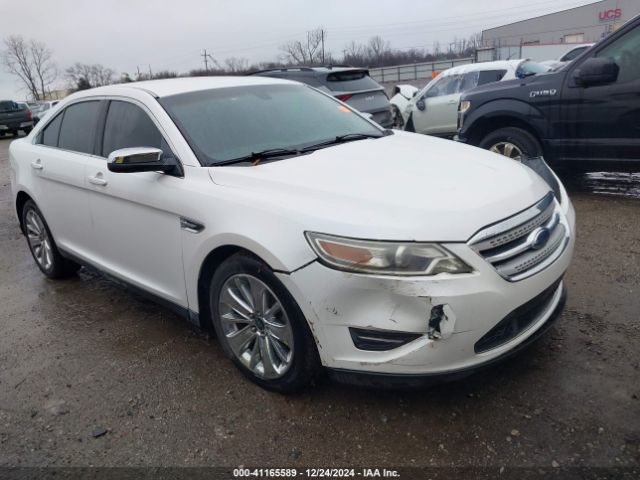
(512, 142)
(42, 246)
(260, 326)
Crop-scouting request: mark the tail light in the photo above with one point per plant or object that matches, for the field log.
(344, 98)
(29, 114)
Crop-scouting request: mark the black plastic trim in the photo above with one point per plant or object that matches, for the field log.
(517, 322)
(380, 340)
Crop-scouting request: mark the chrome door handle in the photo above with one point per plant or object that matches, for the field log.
(98, 181)
(37, 165)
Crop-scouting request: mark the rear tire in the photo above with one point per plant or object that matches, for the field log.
(43, 247)
(512, 142)
(260, 326)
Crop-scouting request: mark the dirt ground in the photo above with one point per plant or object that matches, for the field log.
(91, 374)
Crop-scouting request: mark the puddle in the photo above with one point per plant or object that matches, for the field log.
(606, 183)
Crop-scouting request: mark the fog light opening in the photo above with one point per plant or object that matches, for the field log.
(434, 332)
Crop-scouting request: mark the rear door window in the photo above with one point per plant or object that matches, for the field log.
(490, 76)
(8, 106)
(51, 131)
(351, 81)
(77, 132)
(126, 126)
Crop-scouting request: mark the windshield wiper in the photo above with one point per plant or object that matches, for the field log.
(349, 137)
(255, 157)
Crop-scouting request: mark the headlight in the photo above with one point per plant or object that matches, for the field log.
(385, 258)
(464, 106)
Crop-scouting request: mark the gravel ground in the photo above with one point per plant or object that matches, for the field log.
(92, 375)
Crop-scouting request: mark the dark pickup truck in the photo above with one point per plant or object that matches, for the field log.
(585, 115)
(14, 117)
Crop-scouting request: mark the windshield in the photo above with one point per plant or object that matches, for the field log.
(222, 124)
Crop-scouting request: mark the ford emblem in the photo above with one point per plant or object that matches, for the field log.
(539, 237)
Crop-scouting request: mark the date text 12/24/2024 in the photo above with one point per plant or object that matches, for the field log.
(315, 473)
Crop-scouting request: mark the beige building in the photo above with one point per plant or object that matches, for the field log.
(586, 24)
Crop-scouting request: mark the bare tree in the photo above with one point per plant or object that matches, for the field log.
(354, 54)
(82, 75)
(475, 40)
(236, 65)
(307, 52)
(32, 62)
(377, 49)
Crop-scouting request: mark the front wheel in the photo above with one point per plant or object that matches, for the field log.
(512, 142)
(42, 246)
(398, 120)
(260, 326)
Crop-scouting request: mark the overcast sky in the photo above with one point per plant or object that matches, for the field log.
(171, 34)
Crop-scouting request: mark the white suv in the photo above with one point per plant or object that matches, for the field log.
(434, 110)
(303, 233)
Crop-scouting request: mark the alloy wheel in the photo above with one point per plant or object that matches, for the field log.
(508, 149)
(256, 326)
(39, 240)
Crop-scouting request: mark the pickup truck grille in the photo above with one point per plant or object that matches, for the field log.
(526, 243)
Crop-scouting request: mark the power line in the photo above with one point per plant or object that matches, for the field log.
(390, 30)
(461, 17)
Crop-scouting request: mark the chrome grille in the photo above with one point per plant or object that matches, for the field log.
(526, 243)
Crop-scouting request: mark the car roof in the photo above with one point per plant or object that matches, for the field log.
(484, 66)
(308, 70)
(174, 86)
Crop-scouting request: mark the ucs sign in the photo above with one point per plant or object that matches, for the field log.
(610, 14)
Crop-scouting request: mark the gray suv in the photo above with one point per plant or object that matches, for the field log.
(351, 85)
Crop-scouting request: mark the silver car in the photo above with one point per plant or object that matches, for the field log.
(351, 85)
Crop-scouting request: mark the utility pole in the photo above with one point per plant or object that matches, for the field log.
(322, 36)
(204, 55)
(150, 73)
(138, 68)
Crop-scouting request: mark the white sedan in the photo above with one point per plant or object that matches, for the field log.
(305, 235)
(434, 110)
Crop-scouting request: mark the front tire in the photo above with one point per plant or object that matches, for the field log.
(512, 142)
(398, 120)
(260, 326)
(43, 247)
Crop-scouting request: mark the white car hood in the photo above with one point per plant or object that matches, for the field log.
(401, 187)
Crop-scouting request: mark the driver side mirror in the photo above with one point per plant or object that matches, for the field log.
(596, 71)
(422, 106)
(141, 159)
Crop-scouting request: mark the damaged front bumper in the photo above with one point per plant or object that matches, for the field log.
(452, 324)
